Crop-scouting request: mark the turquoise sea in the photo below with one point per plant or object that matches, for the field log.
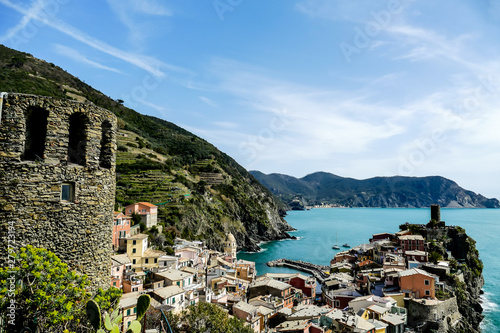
(318, 229)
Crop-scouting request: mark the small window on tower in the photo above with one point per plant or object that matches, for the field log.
(68, 192)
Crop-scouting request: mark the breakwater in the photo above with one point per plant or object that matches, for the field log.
(318, 271)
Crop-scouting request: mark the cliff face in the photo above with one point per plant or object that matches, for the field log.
(466, 279)
(239, 207)
(459, 307)
(468, 292)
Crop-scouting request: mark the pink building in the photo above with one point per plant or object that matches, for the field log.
(188, 253)
(148, 212)
(121, 228)
(120, 264)
(248, 313)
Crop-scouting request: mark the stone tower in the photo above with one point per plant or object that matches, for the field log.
(230, 246)
(57, 179)
(436, 213)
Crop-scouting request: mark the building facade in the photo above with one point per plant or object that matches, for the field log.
(147, 211)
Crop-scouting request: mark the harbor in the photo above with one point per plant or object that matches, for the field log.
(318, 271)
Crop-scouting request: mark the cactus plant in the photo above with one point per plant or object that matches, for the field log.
(135, 327)
(142, 305)
(112, 322)
(94, 314)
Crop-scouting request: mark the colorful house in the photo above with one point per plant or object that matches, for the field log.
(120, 264)
(412, 242)
(148, 212)
(248, 313)
(416, 283)
(121, 228)
(175, 277)
(245, 270)
(173, 296)
(420, 256)
(143, 258)
(128, 308)
(272, 287)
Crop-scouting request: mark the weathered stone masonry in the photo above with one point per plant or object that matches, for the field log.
(57, 180)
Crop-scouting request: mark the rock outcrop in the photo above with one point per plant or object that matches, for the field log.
(464, 279)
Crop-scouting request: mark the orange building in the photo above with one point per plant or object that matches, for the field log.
(416, 283)
(148, 212)
(245, 270)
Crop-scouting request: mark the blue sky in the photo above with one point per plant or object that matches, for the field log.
(357, 88)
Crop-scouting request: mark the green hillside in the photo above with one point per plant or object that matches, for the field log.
(397, 191)
(200, 190)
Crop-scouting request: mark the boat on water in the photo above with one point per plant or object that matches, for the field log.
(336, 247)
(346, 245)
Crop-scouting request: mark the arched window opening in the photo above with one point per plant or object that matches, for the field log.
(77, 138)
(36, 132)
(106, 155)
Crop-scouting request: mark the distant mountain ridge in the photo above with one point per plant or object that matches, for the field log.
(397, 191)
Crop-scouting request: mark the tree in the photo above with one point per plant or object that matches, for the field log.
(136, 218)
(435, 256)
(206, 317)
(415, 229)
(108, 299)
(158, 240)
(48, 296)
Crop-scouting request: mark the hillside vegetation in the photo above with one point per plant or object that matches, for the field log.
(200, 190)
(398, 191)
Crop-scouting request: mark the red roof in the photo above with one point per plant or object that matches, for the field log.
(366, 262)
(146, 204)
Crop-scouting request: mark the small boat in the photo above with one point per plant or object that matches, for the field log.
(346, 245)
(336, 247)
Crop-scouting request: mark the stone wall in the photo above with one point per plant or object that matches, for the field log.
(433, 314)
(57, 176)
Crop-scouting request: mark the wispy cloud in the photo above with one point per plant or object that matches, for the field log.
(31, 13)
(314, 121)
(355, 132)
(207, 101)
(424, 44)
(78, 57)
(131, 15)
(147, 63)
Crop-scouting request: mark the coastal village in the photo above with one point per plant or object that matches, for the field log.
(404, 281)
(390, 284)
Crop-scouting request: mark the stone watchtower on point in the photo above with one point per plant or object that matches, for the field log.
(57, 179)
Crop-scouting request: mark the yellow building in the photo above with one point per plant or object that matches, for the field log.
(142, 257)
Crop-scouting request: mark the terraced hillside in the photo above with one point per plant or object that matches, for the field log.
(200, 190)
